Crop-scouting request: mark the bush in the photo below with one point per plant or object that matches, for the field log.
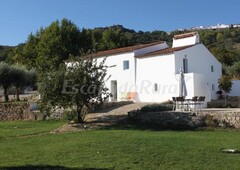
(70, 115)
(210, 121)
(156, 108)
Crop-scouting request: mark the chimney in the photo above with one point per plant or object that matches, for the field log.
(190, 38)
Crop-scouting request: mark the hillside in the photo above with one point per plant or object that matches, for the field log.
(223, 43)
(4, 52)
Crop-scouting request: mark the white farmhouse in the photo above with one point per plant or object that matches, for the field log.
(150, 72)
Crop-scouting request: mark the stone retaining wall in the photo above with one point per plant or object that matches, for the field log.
(14, 111)
(224, 119)
(187, 119)
(231, 102)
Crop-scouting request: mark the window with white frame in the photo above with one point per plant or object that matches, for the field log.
(185, 65)
(213, 87)
(125, 64)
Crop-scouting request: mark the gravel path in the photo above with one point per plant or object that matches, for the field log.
(101, 119)
(113, 115)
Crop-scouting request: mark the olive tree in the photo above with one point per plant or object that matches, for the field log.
(17, 76)
(18, 79)
(74, 86)
(22, 77)
(6, 79)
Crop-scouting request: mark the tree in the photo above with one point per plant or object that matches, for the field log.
(225, 56)
(21, 78)
(31, 78)
(56, 43)
(74, 87)
(4, 51)
(28, 54)
(49, 47)
(225, 84)
(6, 78)
(235, 69)
(18, 79)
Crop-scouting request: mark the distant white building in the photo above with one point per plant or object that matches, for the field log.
(150, 72)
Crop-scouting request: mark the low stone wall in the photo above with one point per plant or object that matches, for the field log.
(231, 102)
(14, 111)
(186, 119)
(222, 118)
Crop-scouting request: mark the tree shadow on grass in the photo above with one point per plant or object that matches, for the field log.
(47, 167)
(123, 122)
(147, 127)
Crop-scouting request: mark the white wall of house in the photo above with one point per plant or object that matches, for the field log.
(159, 70)
(117, 72)
(126, 79)
(201, 61)
(201, 88)
(196, 86)
(235, 88)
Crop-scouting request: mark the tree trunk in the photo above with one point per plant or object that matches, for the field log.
(17, 94)
(6, 95)
(226, 99)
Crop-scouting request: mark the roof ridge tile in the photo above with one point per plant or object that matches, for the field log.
(165, 51)
(124, 49)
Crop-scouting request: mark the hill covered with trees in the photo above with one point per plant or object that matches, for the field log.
(5, 51)
(49, 47)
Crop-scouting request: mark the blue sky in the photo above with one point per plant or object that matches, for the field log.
(18, 18)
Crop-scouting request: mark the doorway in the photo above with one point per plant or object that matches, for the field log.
(114, 90)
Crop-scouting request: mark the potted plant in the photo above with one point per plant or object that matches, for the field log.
(220, 94)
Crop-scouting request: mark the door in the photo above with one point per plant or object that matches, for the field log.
(114, 90)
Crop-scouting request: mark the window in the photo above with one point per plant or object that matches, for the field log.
(185, 65)
(125, 65)
(213, 87)
(155, 87)
(212, 68)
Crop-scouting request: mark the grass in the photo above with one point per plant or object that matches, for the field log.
(24, 128)
(114, 148)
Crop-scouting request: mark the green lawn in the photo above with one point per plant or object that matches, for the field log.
(31, 145)
(25, 128)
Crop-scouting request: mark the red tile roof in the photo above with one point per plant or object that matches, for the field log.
(164, 51)
(186, 35)
(123, 50)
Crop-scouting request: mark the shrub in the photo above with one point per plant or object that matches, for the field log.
(225, 84)
(210, 121)
(156, 108)
(70, 115)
